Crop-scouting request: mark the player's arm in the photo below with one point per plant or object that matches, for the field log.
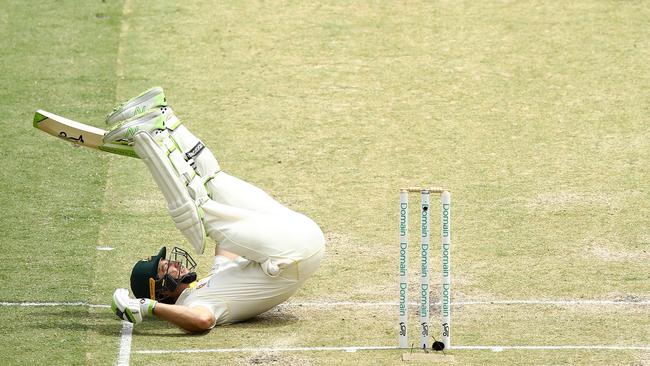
(194, 319)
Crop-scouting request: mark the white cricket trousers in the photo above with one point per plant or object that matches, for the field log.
(245, 220)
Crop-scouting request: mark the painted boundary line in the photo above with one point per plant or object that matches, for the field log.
(333, 304)
(266, 349)
(46, 304)
(552, 302)
(376, 348)
(125, 351)
(554, 348)
(124, 354)
(325, 304)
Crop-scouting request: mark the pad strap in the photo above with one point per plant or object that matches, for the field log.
(185, 169)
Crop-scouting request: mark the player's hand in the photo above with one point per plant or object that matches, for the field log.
(131, 310)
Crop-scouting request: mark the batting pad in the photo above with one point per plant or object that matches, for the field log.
(182, 208)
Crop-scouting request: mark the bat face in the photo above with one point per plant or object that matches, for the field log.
(77, 133)
(69, 130)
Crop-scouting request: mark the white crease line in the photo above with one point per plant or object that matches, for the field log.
(28, 304)
(378, 304)
(267, 349)
(465, 303)
(373, 348)
(325, 304)
(125, 344)
(552, 348)
(551, 302)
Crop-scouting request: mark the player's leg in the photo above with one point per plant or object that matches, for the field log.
(221, 186)
(183, 190)
(232, 191)
(259, 229)
(244, 219)
(278, 241)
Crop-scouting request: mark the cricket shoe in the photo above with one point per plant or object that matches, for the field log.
(153, 121)
(154, 97)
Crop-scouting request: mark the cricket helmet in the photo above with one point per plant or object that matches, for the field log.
(145, 282)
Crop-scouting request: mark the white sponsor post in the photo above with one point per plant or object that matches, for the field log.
(403, 268)
(424, 275)
(445, 234)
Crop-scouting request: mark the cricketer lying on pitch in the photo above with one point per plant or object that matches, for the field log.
(264, 253)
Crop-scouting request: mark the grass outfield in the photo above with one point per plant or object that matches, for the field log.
(534, 115)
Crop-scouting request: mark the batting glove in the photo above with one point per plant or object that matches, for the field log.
(131, 310)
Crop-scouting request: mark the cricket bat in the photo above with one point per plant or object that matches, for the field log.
(78, 133)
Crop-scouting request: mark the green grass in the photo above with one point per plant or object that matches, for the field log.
(534, 115)
(58, 56)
